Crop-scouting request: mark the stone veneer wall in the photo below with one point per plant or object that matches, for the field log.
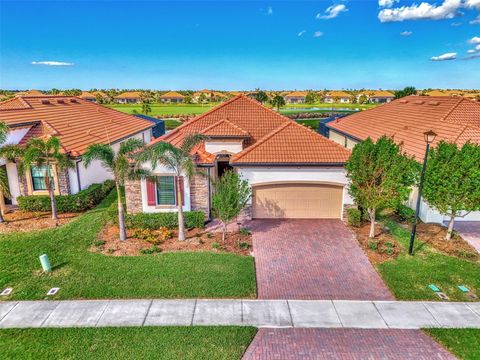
(133, 196)
(199, 194)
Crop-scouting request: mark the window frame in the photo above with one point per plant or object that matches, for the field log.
(157, 191)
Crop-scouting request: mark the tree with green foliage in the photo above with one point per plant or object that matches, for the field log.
(452, 180)
(180, 161)
(188, 99)
(4, 189)
(380, 176)
(230, 198)
(363, 99)
(46, 153)
(277, 101)
(311, 98)
(261, 96)
(202, 99)
(123, 165)
(72, 92)
(409, 90)
(146, 108)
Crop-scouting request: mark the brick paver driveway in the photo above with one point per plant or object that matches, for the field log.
(344, 344)
(312, 259)
(320, 259)
(470, 231)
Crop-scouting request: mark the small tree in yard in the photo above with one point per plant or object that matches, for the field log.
(277, 101)
(452, 180)
(380, 176)
(231, 196)
(123, 165)
(179, 160)
(46, 152)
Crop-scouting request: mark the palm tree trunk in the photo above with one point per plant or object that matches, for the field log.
(371, 215)
(181, 221)
(121, 214)
(450, 227)
(224, 232)
(53, 201)
(2, 207)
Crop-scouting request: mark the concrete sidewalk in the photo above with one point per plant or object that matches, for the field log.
(259, 313)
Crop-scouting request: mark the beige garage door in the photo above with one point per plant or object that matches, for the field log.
(297, 201)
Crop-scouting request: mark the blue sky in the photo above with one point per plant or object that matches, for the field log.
(236, 45)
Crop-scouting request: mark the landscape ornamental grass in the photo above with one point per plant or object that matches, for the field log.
(82, 201)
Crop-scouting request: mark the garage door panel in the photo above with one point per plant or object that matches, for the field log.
(305, 201)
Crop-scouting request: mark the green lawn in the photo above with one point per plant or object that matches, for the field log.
(81, 274)
(164, 109)
(206, 343)
(408, 276)
(464, 343)
(311, 123)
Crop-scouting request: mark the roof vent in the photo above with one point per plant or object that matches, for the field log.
(405, 127)
(419, 102)
(73, 101)
(45, 102)
(434, 103)
(61, 101)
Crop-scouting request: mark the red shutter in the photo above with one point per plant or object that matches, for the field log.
(152, 199)
(179, 183)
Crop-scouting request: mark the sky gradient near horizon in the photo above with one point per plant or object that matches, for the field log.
(234, 45)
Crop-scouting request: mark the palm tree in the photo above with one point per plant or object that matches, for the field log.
(180, 161)
(146, 108)
(46, 152)
(4, 190)
(123, 165)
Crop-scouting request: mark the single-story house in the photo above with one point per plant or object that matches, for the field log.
(129, 97)
(295, 97)
(86, 95)
(171, 97)
(381, 97)
(337, 97)
(32, 92)
(454, 119)
(436, 93)
(77, 123)
(293, 171)
(209, 95)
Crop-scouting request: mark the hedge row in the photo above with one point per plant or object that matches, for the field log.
(81, 201)
(153, 221)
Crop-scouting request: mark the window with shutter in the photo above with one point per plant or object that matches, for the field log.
(166, 190)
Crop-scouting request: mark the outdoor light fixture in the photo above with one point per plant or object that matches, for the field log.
(429, 137)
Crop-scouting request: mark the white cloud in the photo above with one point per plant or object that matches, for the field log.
(387, 3)
(52, 63)
(406, 33)
(301, 33)
(475, 21)
(317, 34)
(473, 4)
(332, 12)
(471, 51)
(269, 10)
(444, 57)
(423, 11)
(456, 24)
(474, 40)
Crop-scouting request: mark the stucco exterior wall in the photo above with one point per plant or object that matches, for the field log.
(229, 146)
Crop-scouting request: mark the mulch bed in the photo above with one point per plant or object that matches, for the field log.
(434, 235)
(25, 221)
(382, 248)
(197, 240)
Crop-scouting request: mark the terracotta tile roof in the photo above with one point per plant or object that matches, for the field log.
(77, 122)
(436, 93)
(86, 95)
(293, 144)
(30, 93)
(249, 116)
(172, 94)
(129, 95)
(297, 94)
(454, 119)
(340, 94)
(382, 93)
(224, 128)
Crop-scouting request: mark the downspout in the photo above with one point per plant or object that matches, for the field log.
(78, 175)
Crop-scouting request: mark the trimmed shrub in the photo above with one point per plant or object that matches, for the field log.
(149, 221)
(405, 214)
(82, 201)
(354, 217)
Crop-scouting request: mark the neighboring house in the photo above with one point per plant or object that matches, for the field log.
(129, 97)
(454, 119)
(436, 93)
(294, 172)
(171, 97)
(381, 97)
(337, 97)
(209, 95)
(88, 96)
(29, 93)
(472, 96)
(77, 123)
(295, 97)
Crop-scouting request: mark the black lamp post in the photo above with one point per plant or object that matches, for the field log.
(429, 137)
